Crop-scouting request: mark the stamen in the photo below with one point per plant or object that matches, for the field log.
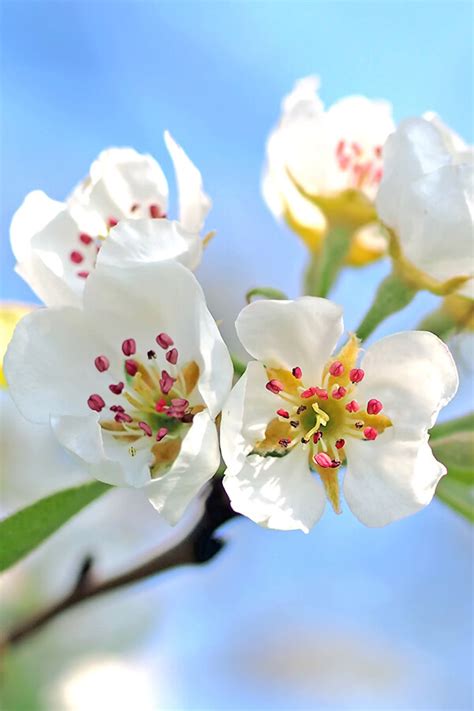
(356, 375)
(161, 405)
(166, 382)
(151, 355)
(111, 222)
(76, 257)
(129, 346)
(146, 428)
(164, 341)
(283, 413)
(294, 423)
(134, 207)
(83, 275)
(370, 433)
(336, 369)
(297, 373)
(123, 417)
(358, 425)
(309, 392)
(317, 436)
(96, 403)
(155, 211)
(284, 442)
(85, 238)
(335, 463)
(352, 406)
(117, 388)
(301, 409)
(131, 367)
(339, 392)
(102, 363)
(274, 386)
(162, 432)
(340, 443)
(116, 408)
(323, 459)
(172, 356)
(321, 393)
(374, 407)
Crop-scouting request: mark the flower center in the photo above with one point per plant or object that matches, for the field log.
(362, 163)
(88, 246)
(151, 406)
(321, 417)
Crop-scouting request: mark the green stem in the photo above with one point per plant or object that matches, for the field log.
(323, 271)
(392, 295)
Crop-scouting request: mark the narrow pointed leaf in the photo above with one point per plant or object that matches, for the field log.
(24, 530)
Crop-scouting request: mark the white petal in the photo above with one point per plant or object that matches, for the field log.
(80, 435)
(413, 374)
(46, 364)
(194, 204)
(245, 415)
(57, 278)
(150, 240)
(427, 197)
(122, 178)
(390, 478)
(277, 492)
(141, 302)
(196, 463)
(435, 225)
(32, 463)
(48, 286)
(415, 149)
(460, 151)
(35, 212)
(300, 333)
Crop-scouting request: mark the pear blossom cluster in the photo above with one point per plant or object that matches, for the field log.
(126, 368)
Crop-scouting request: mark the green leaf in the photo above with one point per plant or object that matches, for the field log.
(392, 295)
(457, 495)
(460, 424)
(24, 530)
(457, 454)
(266, 292)
(453, 444)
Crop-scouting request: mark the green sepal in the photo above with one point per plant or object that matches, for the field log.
(266, 292)
(392, 295)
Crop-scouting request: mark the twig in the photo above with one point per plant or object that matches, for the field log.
(196, 548)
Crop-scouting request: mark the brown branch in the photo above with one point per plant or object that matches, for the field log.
(196, 548)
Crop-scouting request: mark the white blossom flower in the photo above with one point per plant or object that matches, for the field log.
(427, 198)
(131, 382)
(299, 413)
(124, 198)
(327, 153)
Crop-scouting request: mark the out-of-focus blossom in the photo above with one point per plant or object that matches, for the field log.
(334, 156)
(103, 682)
(426, 197)
(56, 244)
(131, 382)
(299, 413)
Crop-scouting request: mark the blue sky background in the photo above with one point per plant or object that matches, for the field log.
(391, 606)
